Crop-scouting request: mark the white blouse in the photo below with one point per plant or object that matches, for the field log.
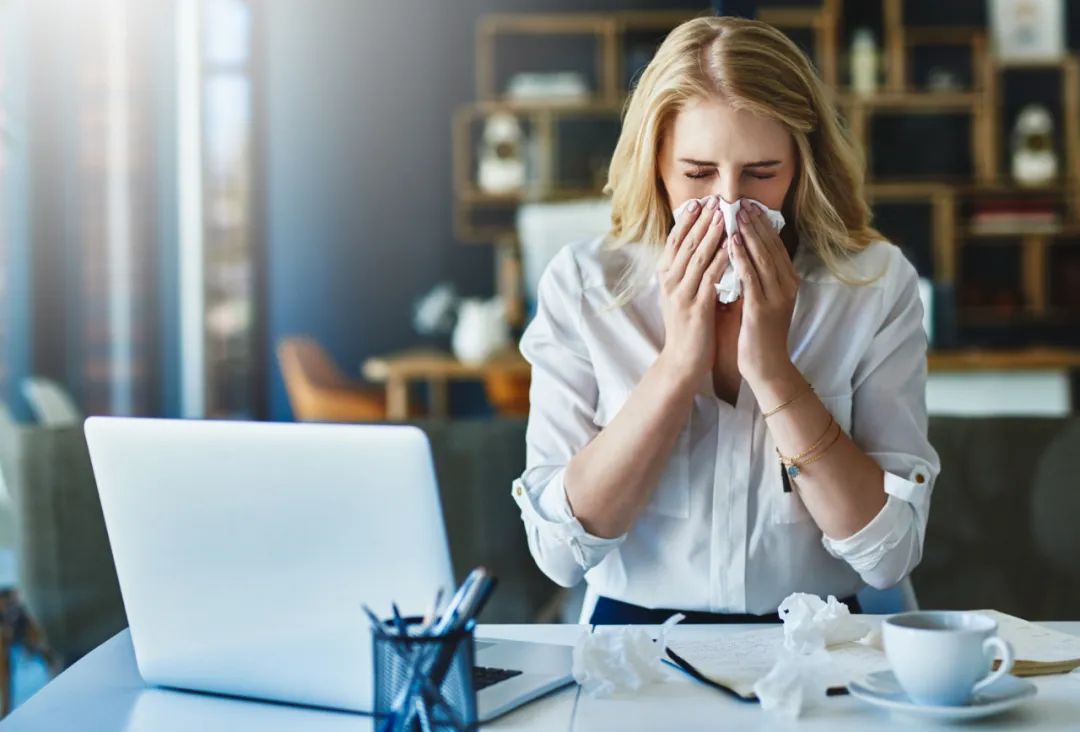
(720, 534)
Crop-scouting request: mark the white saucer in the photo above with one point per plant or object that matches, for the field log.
(883, 690)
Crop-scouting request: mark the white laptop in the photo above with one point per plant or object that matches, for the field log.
(245, 551)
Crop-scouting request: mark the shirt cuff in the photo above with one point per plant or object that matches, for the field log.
(865, 549)
(546, 509)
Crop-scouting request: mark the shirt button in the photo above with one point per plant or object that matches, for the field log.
(920, 478)
(518, 491)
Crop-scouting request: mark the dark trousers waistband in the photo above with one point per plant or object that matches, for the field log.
(617, 612)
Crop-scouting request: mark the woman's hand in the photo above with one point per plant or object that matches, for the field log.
(769, 287)
(692, 263)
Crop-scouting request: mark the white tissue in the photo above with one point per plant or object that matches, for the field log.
(729, 289)
(627, 659)
(796, 681)
(811, 625)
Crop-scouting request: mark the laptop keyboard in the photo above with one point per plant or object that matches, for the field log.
(484, 677)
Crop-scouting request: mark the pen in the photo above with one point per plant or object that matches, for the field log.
(399, 622)
(376, 624)
(432, 614)
(468, 608)
(487, 587)
(453, 611)
(478, 596)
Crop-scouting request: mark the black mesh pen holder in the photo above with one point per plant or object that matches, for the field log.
(424, 683)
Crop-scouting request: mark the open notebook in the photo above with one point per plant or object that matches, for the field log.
(733, 662)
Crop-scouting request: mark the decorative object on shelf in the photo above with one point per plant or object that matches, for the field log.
(865, 61)
(1028, 30)
(481, 329)
(502, 167)
(557, 86)
(1015, 216)
(942, 79)
(1034, 159)
(435, 313)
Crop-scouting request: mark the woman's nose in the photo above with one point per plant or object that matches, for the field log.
(728, 190)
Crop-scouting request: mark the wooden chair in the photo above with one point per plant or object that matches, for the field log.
(319, 391)
(508, 392)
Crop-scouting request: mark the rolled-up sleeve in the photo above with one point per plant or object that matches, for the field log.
(562, 407)
(889, 423)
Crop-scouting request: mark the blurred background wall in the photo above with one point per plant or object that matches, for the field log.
(350, 201)
(307, 146)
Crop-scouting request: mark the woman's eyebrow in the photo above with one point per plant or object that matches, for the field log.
(712, 164)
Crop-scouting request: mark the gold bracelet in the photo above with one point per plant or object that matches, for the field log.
(794, 470)
(789, 402)
(794, 460)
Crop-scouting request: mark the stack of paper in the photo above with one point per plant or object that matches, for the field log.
(735, 661)
(1039, 651)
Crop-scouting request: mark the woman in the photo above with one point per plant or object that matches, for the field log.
(678, 456)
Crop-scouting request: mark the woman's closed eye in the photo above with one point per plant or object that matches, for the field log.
(702, 174)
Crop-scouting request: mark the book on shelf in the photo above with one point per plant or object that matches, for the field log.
(1020, 216)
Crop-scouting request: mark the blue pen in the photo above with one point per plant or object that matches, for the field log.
(472, 606)
(450, 618)
(399, 622)
(376, 624)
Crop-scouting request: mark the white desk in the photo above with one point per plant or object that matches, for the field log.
(104, 692)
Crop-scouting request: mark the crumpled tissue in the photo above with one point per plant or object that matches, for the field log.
(796, 680)
(620, 660)
(729, 289)
(811, 625)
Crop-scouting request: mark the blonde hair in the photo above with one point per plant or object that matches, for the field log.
(754, 67)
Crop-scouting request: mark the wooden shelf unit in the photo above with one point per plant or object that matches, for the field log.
(606, 29)
(947, 196)
(822, 22)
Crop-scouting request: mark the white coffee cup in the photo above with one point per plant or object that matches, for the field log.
(941, 658)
